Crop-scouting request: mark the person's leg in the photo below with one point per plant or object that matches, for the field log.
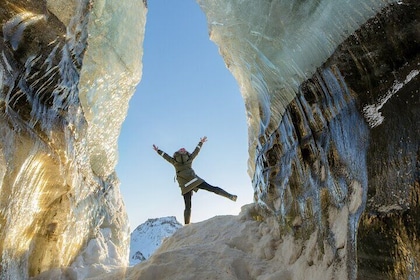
(206, 186)
(187, 211)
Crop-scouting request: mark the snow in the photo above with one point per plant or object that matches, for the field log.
(371, 112)
(246, 246)
(147, 237)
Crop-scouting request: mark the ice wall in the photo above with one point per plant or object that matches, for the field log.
(112, 69)
(67, 71)
(316, 76)
(277, 46)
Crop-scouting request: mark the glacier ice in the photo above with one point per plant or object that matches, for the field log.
(272, 50)
(306, 70)
(112, 69)
(336, 184)
(60, 204)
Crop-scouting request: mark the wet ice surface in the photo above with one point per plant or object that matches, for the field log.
(63, 107)
(308, 136)
(13, 28)
(271, 47)
(112, 69)
(60, 204)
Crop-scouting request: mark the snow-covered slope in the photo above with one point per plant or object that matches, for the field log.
(147, 237)
(241, 247)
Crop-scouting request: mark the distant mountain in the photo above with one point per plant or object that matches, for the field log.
(147, 237)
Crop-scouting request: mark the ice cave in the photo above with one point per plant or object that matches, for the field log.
(331, 89)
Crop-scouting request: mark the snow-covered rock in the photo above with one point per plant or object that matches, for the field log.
(147, 237)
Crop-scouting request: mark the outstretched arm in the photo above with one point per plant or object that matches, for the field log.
(197, 149)
(163, 154)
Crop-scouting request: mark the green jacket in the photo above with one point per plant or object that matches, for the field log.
(185, 175)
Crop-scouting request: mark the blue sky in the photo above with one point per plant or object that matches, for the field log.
(186, 92)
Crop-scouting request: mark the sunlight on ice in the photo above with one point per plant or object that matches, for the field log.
(60, 198)
(110, 73)
(271, 50)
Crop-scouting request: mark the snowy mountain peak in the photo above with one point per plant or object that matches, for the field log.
(147, 237)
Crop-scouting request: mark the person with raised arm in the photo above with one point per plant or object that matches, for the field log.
(187, 179)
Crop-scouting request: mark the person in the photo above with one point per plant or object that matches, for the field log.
(187, 179)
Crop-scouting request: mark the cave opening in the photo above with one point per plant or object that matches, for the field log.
(186, 92)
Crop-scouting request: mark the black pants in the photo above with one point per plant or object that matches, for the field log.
(203, 186)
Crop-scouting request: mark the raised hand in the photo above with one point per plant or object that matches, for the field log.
(203, 139)
(155, 147)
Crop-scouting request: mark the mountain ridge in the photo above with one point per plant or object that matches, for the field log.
(148, 236)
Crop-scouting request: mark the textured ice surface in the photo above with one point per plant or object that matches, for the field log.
(64, 95)
(67, 72)
(306, 69)
(271, 47)
(112, 68)
(14, 28)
